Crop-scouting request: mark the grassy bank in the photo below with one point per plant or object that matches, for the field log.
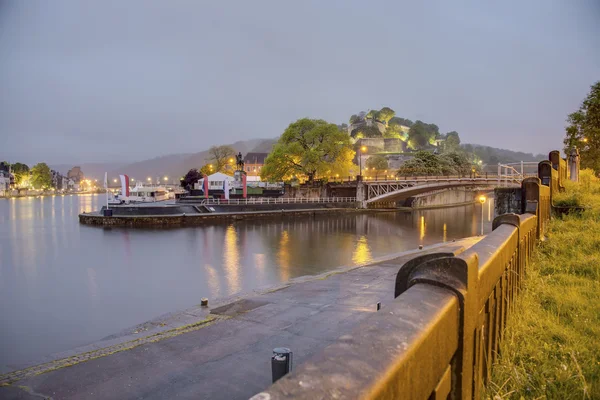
(551, 349)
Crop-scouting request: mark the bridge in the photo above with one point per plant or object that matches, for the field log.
(509, 175)
(392, 191)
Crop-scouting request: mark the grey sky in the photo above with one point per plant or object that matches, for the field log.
(128, 80)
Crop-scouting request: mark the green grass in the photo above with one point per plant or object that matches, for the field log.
(551, 348)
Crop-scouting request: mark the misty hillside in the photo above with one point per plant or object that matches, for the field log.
(176, 165)
(91, 170)
(492, 155)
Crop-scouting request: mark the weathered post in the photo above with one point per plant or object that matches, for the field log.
(574, 164)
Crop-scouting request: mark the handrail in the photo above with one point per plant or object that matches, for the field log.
(276, 200)
(441, 335)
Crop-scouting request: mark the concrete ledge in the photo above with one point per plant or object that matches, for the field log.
(201, 219)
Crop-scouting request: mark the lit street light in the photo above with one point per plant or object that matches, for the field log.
(149, 179)
(362, 150)
(482, 201)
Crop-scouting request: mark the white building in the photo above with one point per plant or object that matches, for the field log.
(215, 181)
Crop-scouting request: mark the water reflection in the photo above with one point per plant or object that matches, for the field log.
(231, 259)
(77, 284)
(362, 252)
(283, 256)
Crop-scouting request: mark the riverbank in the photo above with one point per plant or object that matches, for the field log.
(551, 347)
(222, 351)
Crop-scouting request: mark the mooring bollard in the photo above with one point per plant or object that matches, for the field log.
(204, 302)
(281, 362)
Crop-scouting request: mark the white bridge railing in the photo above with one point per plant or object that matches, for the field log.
(278, 200)
(381, 188)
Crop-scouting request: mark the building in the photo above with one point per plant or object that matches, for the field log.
(253, 163)
(76, 174)
(59, 181)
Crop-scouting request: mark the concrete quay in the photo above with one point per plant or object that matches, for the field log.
(223, 351)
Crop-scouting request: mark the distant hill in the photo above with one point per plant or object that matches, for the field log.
(175, 166)
(492, 155)
(91, 170)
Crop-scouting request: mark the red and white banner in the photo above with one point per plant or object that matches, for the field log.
(206, 186)
(124, 185)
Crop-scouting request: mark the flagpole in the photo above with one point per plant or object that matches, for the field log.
(106, 187)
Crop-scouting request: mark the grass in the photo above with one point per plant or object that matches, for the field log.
(551, 348)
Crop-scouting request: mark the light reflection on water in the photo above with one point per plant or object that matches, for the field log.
(63, 284)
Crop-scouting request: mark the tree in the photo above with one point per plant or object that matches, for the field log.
(385, 114)
(365, 131)
(41, 177)
(21, 172)
(583, 131)
(426, 163)
(372, 114)
(220, 157)
(207, 169)
(452, 142)
(401, 121)
(377, 163)
(309, 148)
(354, 118)
(190, 178)
(421, 135)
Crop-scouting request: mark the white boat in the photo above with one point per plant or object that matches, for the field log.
(113, 199)
(147, 194)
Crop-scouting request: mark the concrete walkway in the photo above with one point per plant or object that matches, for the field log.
(222, 352)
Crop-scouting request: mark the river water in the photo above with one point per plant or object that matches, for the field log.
(63, 285)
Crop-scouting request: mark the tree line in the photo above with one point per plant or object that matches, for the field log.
(38, 177)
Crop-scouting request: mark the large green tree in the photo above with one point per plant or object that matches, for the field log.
(583, 131)
(41, 177)
(21, 172)
(309, 148)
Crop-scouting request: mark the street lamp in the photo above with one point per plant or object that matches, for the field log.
(482, 201)
(362, 150)
(149, 179)
(166, 178)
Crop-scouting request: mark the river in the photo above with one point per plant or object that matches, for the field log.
(63, 285)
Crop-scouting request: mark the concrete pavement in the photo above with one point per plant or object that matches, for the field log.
(222, 352)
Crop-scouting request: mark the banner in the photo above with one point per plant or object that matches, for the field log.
(206, 186)
(244, 189)
(124, 185)
(226, 188)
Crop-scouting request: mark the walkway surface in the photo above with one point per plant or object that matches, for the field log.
(222, 352)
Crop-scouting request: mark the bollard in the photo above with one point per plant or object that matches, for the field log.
(204, 302)
(281, 362)
(378, 306)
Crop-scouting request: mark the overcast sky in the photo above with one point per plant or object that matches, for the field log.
(91, 81)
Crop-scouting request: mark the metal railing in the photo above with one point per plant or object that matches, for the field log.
(277, 200)
(441, 335)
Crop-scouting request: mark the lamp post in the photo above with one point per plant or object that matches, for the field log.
(482, 201)
(362, 150)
